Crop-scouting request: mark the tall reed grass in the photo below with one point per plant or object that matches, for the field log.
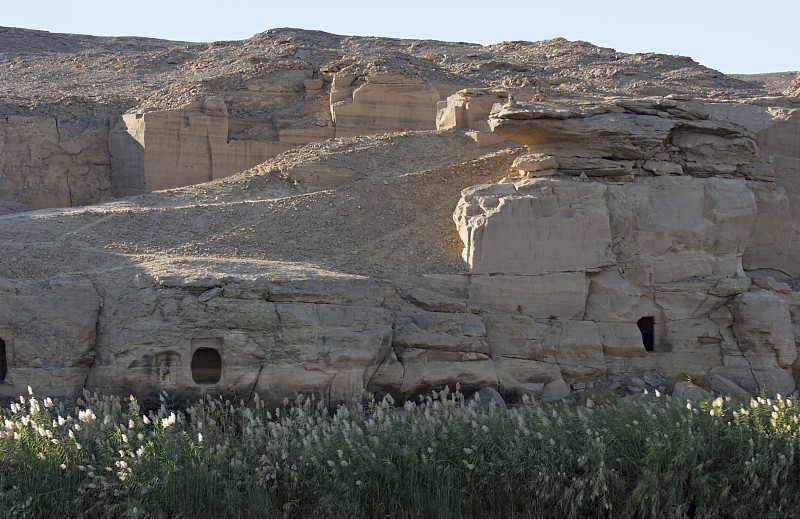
(438, 456)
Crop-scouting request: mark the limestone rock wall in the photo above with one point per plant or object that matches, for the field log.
(274, 338)
(152, 150)
(664, 249)
(609, 259)
(334, 337)
(384, 103)
(339, 337)
(638, 230)
(331, 336)
(54, 161)
(48, 330)
(69, 160)
(641, 235)
(776, 126)
(162, 150)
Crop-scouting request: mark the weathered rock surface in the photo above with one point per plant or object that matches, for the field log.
(688, 391)
(156, 106)
(54, 161)
(49, 333)
(639, 238)
(632, 137)
(534, 227)
(660, 253)
(165, 149)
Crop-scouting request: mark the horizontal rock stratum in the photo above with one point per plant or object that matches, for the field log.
(312, 213)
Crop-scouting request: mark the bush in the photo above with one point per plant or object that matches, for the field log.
(435, 457)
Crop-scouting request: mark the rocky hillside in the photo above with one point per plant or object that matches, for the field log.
(280, 89)
(336, 214)
(117, 74)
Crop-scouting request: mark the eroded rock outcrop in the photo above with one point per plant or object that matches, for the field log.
(651, 247)
(161, 150)
(48, 330)
(54, 161)
(281, 88)
(152, 150)
(638, 241)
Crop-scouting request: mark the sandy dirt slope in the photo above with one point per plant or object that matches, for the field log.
(393, 217)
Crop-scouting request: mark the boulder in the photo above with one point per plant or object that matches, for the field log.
(488, 396)
(555, 391)
(535, 163)
(688, 391)
(602, 139)
(727, 386)
(543, 226)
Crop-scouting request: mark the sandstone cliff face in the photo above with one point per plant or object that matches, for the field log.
(577, 275)
(657, 240)
(161, 150)
(153, 150)
(48, 332)
(636, 240)
(150, 101)
(54, 161)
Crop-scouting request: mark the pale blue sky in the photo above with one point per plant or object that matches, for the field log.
(732, 36)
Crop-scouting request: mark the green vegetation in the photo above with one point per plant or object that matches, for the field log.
(437, 457)
(696, 380)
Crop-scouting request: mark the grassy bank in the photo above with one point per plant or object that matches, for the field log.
(438, 457)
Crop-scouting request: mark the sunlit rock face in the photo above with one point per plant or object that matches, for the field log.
(348, 215)
(643, 211)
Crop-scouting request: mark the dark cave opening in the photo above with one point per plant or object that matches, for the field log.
(647, 328)
(206, 366)
(3, 361)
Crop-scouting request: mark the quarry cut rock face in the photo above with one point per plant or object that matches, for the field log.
(303, 212)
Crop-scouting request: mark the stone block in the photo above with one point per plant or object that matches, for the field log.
(555, 391)
(727, 386)
(426, 370)
(57, 160)
(579, 351)
(688, 301)
(386, 107)
(440, 331)
(548, 225)
(613, 298)
(549, 296)
(621, 340)
(49, 333)
(707, 237)
(468, 109)
(765, 333)
(519, 336)
(688, 391)
(535, 162)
